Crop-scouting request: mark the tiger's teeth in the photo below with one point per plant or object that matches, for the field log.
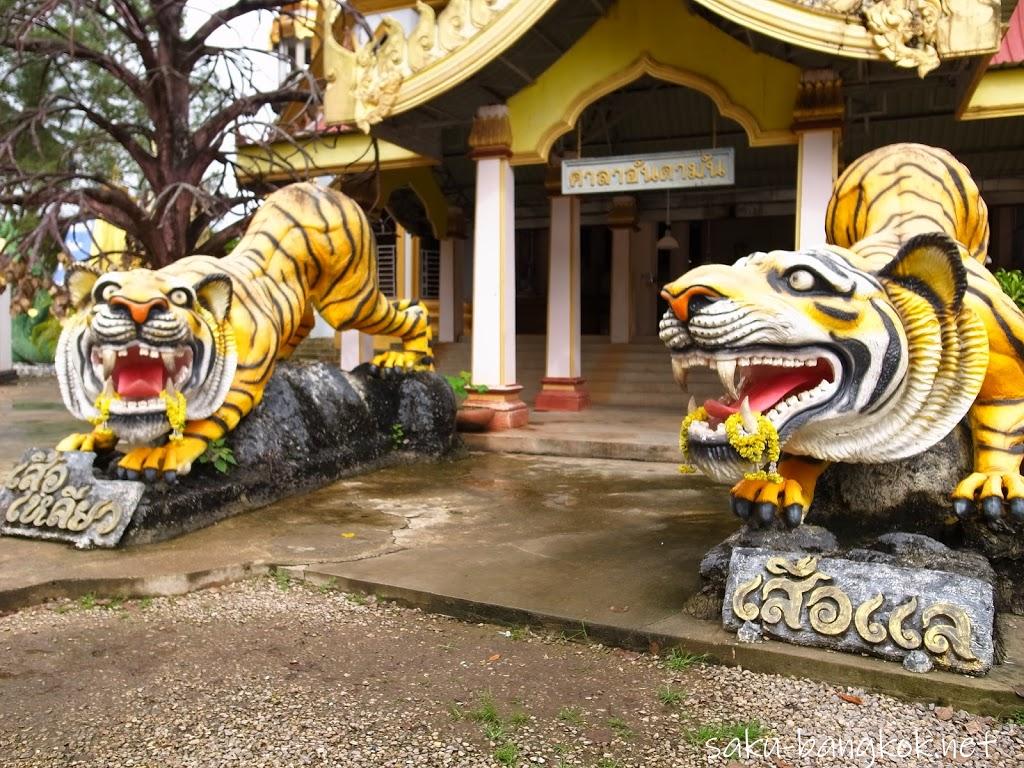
(727, 375)
(679, 371)
(170, 359)
(749, 421)
(109, 359)
(692, 406)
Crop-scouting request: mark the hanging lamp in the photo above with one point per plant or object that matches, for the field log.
(667, 242)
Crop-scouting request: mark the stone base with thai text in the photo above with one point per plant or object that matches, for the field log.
(865, 608)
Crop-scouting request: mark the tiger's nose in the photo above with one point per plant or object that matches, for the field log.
(687, 301)
(139, 311)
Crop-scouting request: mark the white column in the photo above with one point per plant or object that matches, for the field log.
(409, 273)
(356, 348)
(446, 293)
(643, 266)
(817, 170)
(458, 287)
(494, 275)
(563, 330)
(6, 356)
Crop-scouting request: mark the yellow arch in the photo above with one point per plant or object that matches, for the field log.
(422, 182)
(662, 39)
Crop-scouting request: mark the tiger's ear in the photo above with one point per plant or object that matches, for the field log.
(930, 265)
(80, 280)
(215, 292)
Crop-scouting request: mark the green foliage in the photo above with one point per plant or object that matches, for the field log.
(620, 726)
(507, 754)
(1016, 717)
(282, 579)
(669, 696)
(1012, 283)
(723, 733)
(462, 384)
(678, 660)
(571, 715)
(87, 601)
(219, 454)
(398, 438)
(34, 333)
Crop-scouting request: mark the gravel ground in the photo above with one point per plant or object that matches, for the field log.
(267, 673)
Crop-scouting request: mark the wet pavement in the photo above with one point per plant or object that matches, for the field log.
(600, 547)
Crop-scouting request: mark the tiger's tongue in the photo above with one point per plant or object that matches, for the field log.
(141, 378)
(763, 394)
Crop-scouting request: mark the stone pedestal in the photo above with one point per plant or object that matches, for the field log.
(562, 394)
(508, 411)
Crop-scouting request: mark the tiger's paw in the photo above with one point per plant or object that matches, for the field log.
(994, 493)
(401, 361)
(759, 502)
(163, 462)
(95, 441)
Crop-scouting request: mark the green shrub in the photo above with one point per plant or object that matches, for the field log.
(1012, 283)
(34, 333)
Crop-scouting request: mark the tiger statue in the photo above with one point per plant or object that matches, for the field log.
(869, 349)
(171, 360)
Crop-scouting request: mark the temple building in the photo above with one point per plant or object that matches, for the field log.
(536, 170)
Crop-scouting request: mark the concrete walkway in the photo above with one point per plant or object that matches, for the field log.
(606, 432)
(598, 548)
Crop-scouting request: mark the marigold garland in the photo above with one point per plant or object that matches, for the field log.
(99, 421)
(760, 448)
(176, 413)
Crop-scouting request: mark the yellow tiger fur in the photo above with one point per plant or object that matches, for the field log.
(905, 328)
(219, 326)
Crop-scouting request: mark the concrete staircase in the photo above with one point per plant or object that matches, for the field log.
(634, 375)
(638, 374)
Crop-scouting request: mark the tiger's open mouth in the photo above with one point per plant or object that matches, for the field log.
(780, 384)
(137, 373)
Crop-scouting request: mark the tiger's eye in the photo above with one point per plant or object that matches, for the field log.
(180, 297)
(801, 280)
(108, 291)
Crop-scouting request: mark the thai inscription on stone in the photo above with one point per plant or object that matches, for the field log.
(52, 495)
(860, 607)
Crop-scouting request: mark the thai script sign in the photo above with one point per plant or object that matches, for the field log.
(634, 173)
(861, 607)
(52, 495)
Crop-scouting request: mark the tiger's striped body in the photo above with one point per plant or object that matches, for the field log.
(903, 329)
(221, 325)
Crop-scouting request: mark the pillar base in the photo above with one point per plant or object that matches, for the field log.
(506, 410)
(8, 377)
(560, 394)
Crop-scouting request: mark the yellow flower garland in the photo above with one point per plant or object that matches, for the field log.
(99, 421)
(762, 447)
(176, 413)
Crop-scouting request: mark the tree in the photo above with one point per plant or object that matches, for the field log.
(114, 111)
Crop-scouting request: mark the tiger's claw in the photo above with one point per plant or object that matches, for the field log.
(995, 494)
(760, 502)
(163, 462)
(94, 441)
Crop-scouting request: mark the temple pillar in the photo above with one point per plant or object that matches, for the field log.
(818, 123)
(563, 387)
(356, 349)
(7, 374)
(494, 273)
(622, 220)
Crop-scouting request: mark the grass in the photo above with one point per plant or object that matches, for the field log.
(328, 586)
(486, 712)
(725, 732)
(507, 754)
(146, 603)
(670, 697)
(608, 762)
(1016, 717)
(357, 597)
(620, 726)
(575, 635)
(571, 715)
(519, 719)
(519, 633)
(678, 659)
(282, 579)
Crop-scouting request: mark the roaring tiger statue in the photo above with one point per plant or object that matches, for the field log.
(869, 349)
(170, 360)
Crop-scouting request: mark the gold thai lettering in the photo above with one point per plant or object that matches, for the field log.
(790, 606)
(939, 638)
(829, 610)
(904, 637)
(870, 631)
(45, 499)
(740, 606)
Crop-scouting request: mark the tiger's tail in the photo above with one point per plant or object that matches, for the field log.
(906, 190)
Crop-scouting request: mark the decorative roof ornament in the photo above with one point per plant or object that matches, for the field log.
(378, 68)
(905, 31)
